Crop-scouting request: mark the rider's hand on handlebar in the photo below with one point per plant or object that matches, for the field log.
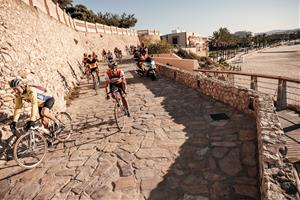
(12, 126)
(29, 124)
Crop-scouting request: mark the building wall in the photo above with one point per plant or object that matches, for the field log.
(192, 41)
(181, 39)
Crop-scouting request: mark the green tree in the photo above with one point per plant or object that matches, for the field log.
(159, 47)
(63, 3)
(81, 12)
(123, 21)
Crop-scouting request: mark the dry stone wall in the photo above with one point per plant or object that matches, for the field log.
(277, 180)
(41, 50)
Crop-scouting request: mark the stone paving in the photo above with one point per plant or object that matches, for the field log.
(170, 149)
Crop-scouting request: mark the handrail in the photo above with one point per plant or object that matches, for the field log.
(251, 74)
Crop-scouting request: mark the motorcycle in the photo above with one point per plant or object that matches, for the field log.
(148, 69)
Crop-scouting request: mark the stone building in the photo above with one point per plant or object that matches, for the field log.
(189, 41)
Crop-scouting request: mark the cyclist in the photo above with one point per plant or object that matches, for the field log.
(93, 66)
(40, 103)
(84, 62)
(141, 59)
(104, 55)
(115, 76)
(109, 56)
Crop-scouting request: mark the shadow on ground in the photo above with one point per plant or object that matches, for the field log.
(218, 160)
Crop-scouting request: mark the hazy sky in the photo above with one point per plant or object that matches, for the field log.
(204, 16)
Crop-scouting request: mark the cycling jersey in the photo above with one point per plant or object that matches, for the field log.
(37, 99)
(114, 75)
(92, 63)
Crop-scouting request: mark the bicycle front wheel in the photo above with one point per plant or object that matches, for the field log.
(119, 114)
(30, 149)
(65, 131)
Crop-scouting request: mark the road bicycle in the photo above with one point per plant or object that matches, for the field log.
(30, 148)
(120, 112)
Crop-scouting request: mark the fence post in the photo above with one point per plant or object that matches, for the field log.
(64, 15)
(96, 27)
(30, 3)
(253, 84)
(47, 7)
(70, 22)
(58, 17)
(104, 29)
(86, 27)
(74, 24)
(281, 95)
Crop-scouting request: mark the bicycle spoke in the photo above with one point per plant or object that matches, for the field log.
(30, 150)
(66, 128)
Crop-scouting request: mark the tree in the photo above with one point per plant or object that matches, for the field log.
(81, 12)
(222, 40)
(63, 3)
(123, 21)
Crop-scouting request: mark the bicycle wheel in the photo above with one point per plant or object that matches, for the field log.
(65, 131)
(119, 114)
(30, 149)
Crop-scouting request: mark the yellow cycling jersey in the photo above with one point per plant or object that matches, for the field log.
(37, 99)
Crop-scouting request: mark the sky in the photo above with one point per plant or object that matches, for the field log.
(204, 16)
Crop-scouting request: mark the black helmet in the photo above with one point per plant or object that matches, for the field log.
(15, 82)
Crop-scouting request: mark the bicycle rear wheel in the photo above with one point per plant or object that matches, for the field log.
(65, 131)
(30, 149)
(119, 114)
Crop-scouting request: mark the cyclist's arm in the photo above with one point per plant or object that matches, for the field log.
(34, 106)
(18, 109)
(107, 82)
(123, 79)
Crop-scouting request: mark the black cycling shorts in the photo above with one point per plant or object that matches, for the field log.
(118, 86)
(93, 70)
(48, 104)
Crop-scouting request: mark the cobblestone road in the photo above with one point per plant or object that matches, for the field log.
(170, 149)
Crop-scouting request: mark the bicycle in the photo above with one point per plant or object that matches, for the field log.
(30, 149)
(120, 111)
(95, 83)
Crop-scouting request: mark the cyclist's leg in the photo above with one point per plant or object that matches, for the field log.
(98, 74)
(93, 75)
(45, 112)
(87, 72)
(124, 99)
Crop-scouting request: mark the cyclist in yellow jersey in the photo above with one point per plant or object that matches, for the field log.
(40, 104)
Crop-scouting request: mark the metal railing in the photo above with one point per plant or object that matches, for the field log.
(285, 91)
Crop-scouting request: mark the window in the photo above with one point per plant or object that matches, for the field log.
(174, 40)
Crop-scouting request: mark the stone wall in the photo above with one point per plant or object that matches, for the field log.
(277, 180)
(41, 50)
(53, 10)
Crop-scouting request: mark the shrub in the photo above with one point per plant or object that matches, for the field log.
(159, 47)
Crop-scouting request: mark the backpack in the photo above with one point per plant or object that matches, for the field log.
(39, 87)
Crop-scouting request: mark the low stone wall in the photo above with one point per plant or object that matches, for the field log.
(277, 180)
(186, 64)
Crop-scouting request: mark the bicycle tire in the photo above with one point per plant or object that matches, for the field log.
(65, 133)
(119, 114)
(19, 149)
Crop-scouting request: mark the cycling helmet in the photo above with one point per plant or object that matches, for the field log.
(110, 59)
(15, 82)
